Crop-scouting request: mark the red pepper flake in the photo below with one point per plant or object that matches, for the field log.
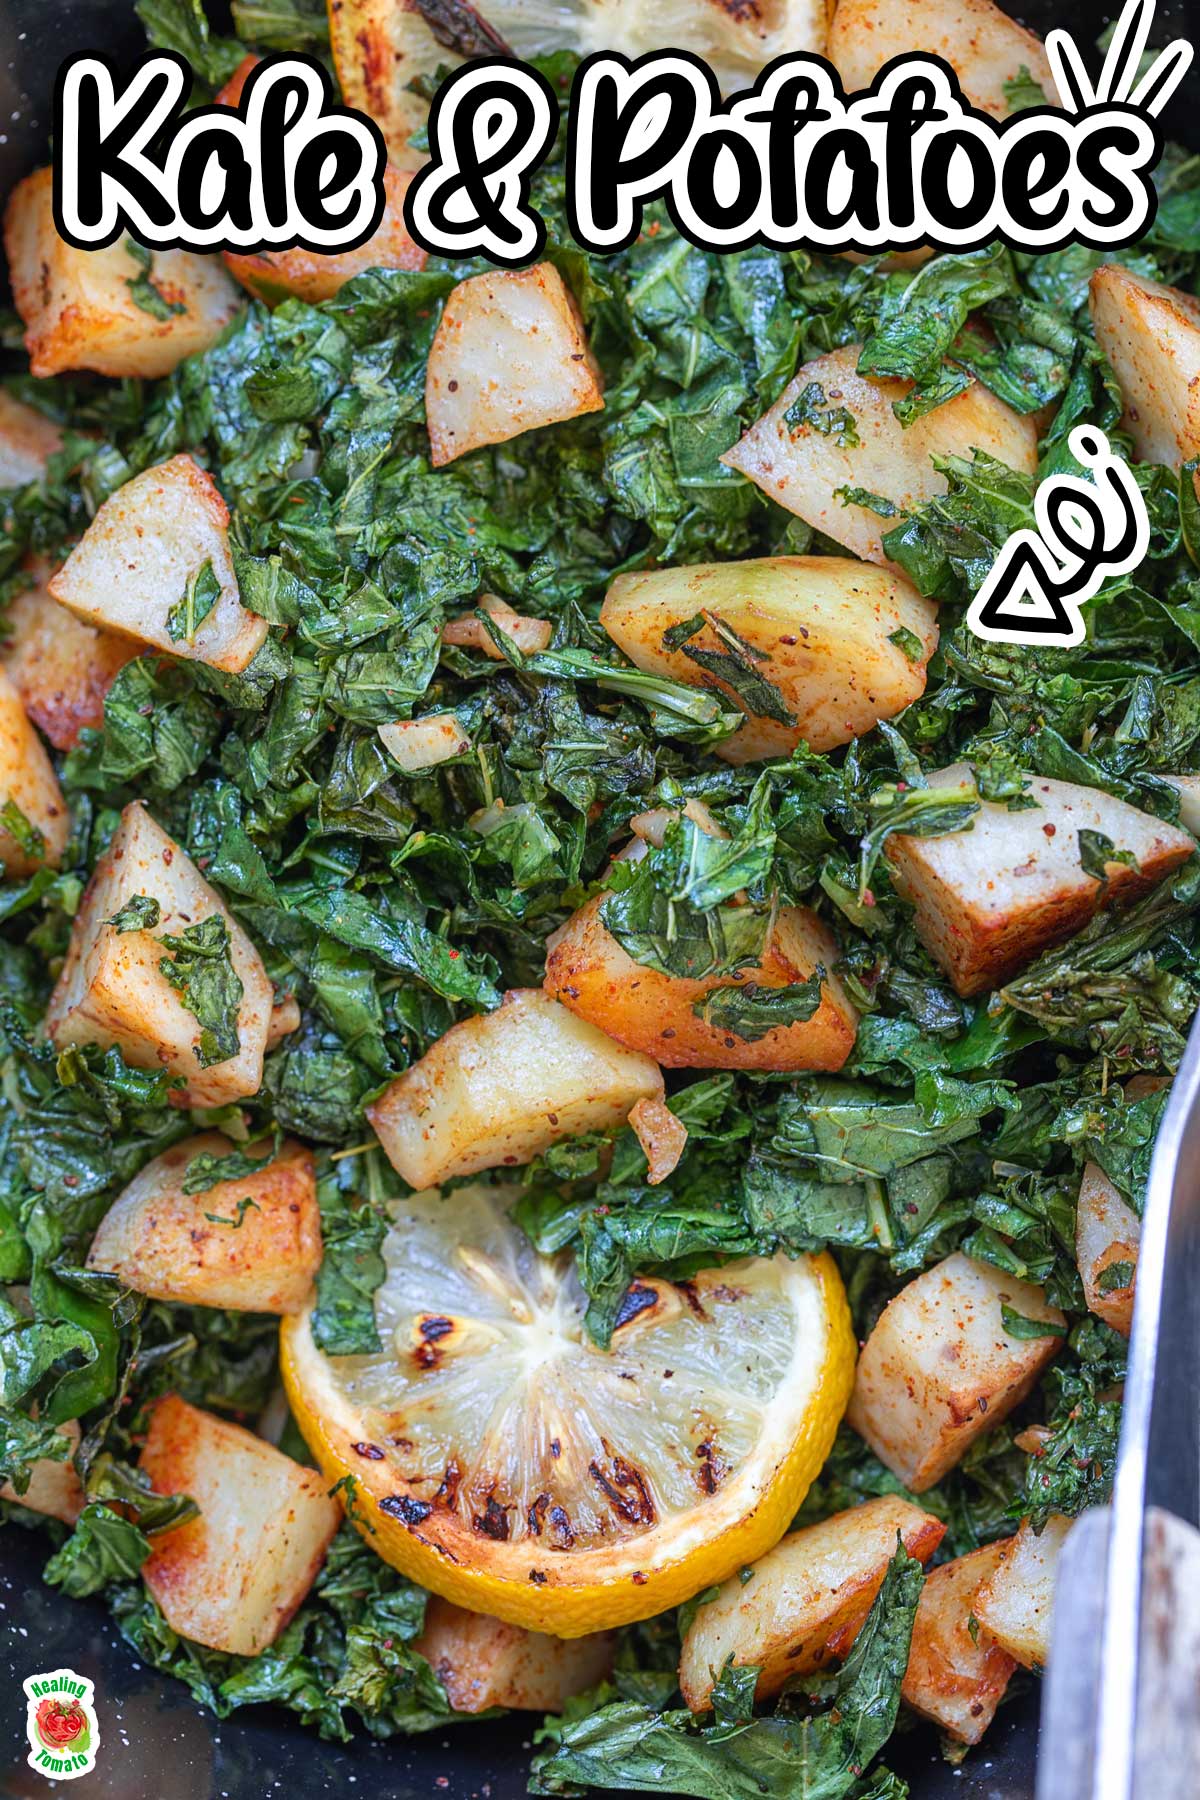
(454, 955)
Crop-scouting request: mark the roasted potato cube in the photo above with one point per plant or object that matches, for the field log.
(1151, 335)
(275, 275)
(285, 1018)
(105, 309)
(112, 989)
(1188, 788)
(954, 1678)
(821, 630)
(27, 438)
(529, 635)
(232, 1578)
(806, 1600)
(802, 466)
(61, 667)
(990, 898)
(484, 1662)
(587, 969)
(509, 355)
(150, 562)
(35, 832)
(1107, 1236)
(498, 1089)
(941, 1367)
(416, 744)
(252, 1243)
(54, 1488)
(1015, 1605)
(983, 46)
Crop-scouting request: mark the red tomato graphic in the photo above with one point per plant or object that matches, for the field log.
(59, 1722)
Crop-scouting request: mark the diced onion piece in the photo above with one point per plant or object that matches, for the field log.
(27, 439)
(991, 897)
(805, 1601)
(509, 355)
(232, 1578)
(651, 826)
(470, 633)
(803, 466)
(941, 1367)
(662, 1136)
(160, 534)
(285, 1018)
(498, 1089)
(1016, 1604)
(416, 744)
(1107, 1233)
(80, 307)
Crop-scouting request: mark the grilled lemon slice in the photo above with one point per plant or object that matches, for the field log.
(504, 1461)
(380, 46)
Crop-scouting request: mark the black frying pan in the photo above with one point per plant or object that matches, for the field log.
(155, 1743)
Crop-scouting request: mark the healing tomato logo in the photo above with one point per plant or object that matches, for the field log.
(59, 1722)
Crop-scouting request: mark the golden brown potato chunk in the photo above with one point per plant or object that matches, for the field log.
(81, 310)
(112, 989)
(806, 1600)
(285, 1018)
(155, 564)
(61, 667)
(821, 630)
(54, 1488)
(509, 355)
(251, 1243)
(275, 275)
(498, 1089)
(36, 830)
(1150, 334)
(941, 1367)
(27, 438)
(587, 969)
(232, 1578)
(802, 466)
(1016, 1603)
(1107, 1235)
(990, 898)
(983, 46)
(484, 1662)
(954, 1678)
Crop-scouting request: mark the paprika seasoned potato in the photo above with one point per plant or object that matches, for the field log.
(805, 1601)
(60, 666)
(956, 1675)
(508, 356)
(838, 645)
(484, 1662)
(34, 821)
(985, 48)
(275, 275)
(119, 311)
(498, 1089)
(1107, 1235)
(416, 744)
(250, 1242)
(991, 897)
(27, 438)
(1150, 334)
(112, 989)
(232, 1578)
(941, 1365)
(1015, 1604)
(587, 969)
(804, 460)
(155, 564)
(54, 1490)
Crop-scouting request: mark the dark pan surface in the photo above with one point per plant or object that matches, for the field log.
(156, 1744)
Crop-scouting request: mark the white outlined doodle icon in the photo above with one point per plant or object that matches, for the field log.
(1087, 532)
